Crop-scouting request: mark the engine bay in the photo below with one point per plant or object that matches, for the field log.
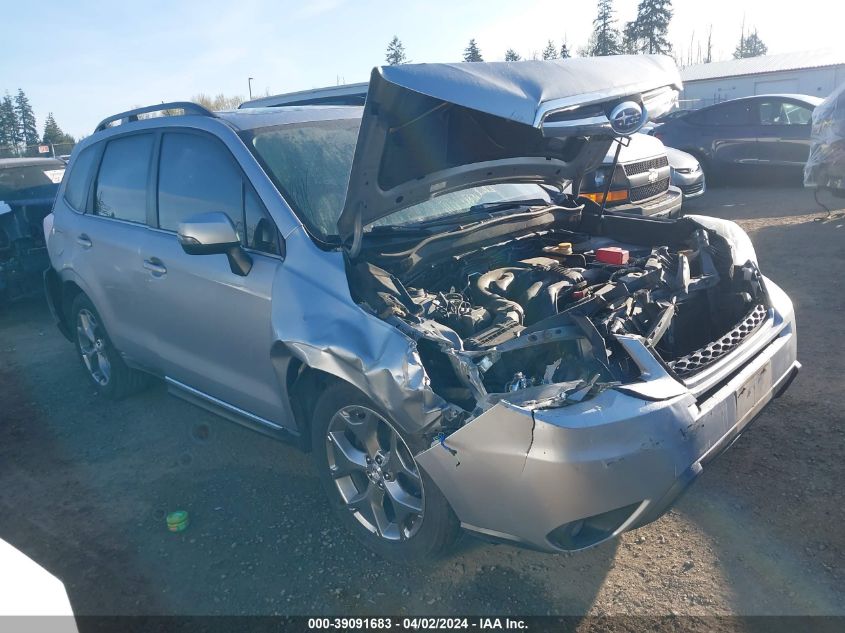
(546, 308)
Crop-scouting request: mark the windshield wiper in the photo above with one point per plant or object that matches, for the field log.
(507, 204)
(477, 212)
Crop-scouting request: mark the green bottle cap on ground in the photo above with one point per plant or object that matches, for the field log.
(177, 521)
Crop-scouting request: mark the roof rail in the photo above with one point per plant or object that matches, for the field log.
(189, 107)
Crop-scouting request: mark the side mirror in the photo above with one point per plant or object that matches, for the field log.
(214, 234)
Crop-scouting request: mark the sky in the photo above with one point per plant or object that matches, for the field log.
(87, 59)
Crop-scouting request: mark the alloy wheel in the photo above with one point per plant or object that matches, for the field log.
(93, 346)
(375, 473)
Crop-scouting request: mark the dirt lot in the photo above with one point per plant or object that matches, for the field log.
(85, 484)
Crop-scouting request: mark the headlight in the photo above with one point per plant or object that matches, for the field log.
(689, 170)
(596, 180)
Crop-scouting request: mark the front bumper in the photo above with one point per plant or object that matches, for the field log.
(667, 205)
(571, 477)
(692, 185)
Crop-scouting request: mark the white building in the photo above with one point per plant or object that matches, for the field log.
(814, 73)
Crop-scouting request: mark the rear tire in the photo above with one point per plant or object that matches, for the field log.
(367, 468)
(102, 362)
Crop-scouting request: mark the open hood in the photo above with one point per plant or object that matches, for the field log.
(428, 129)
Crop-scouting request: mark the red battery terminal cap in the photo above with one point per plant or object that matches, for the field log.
(612, 255)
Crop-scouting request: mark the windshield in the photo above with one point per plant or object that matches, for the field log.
(310, 165)
(30, 182)
(460, 201)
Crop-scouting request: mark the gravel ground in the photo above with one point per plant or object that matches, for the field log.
(85, 484)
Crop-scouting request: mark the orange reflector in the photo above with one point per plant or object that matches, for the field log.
(612, 196)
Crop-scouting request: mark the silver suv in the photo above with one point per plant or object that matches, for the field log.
(406, 290)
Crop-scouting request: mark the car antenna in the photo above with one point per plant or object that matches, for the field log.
(620, 142)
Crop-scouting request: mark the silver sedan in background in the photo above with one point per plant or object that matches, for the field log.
(686, 173)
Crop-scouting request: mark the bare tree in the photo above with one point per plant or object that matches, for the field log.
(219, 102)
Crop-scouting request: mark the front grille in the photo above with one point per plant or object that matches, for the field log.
(693, 189)
(712, 352)
(649, 191)
(632, 169)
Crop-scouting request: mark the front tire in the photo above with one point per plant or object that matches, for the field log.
(102, 362)
(373, 483)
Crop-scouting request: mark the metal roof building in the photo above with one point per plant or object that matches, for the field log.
(814, 73)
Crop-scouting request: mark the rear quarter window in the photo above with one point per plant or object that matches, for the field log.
(76, 190)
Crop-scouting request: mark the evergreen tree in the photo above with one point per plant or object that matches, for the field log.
(649, 32)
(472, 53)
(605, 37)
(564, 51)
(550, 52)
(10, 135)
(26, 119)
(53, 133)
(395, 52)
(751, 46)
(512, 56)
(631, 43)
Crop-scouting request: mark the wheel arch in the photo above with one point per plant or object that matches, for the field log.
(301, 386)
(60, 296)
(302, 383)
(70, 289)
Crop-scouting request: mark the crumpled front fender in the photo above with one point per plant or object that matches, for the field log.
(316, 321)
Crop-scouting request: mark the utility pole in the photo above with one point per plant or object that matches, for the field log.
(249, 82)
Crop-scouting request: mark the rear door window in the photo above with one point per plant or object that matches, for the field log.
(780, 112)
(121, 190)
(198, 174)
(76, 190)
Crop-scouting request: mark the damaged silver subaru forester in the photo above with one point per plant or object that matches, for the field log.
(406, 289)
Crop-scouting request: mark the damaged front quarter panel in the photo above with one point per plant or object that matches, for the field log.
(321, 327)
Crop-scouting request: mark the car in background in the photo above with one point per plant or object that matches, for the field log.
(28, 187)
(640, 184)
(347, 94)
(669, 116)
(27, 590)
(654, 124)
(687, 174)
(825, 167)
(766, 133)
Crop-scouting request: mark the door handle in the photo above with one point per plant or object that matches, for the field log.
(156, 268)
(83, 240)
